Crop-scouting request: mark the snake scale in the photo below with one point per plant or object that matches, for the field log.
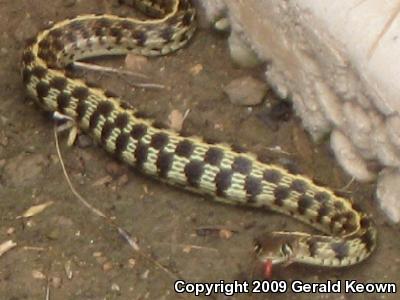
(228, 175)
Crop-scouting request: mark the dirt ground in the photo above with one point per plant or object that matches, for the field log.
(73, 254)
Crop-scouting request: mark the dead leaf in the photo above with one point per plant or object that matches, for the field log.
(135, 62)
(7, 246)
(196, 69)
(176, 119)
(102, 181)
(36, 209)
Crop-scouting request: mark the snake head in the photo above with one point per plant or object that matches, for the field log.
(276, 248)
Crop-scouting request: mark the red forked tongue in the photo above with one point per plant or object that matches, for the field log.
(268, 268)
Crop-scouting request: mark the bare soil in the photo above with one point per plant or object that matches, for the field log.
(171, 226)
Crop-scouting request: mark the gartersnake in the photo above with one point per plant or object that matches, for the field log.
(190, 162)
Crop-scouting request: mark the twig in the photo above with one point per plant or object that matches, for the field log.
(189, 246)
(344, 188)
(93, 67)
(385, 29)
(48, 289)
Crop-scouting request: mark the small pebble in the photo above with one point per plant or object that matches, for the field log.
(145, 274)
(107, 266)
(225, 234)
(131, 263)
(136, 62)
(196, 69)
(246, 91)
(115, 287)
(38, 275)
(122, 180)
(10, 231)
(114, 169)
(84, 141)
(176, 119)
(56, 282)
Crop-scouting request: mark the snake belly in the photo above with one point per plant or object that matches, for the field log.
(348, 236)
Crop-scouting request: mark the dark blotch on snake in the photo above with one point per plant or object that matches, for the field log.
(304, 203)
(281, 193)
(299, 186)
(81, 110)
(63, 100)
(140, 37)
(138, 131)
(141, 153)
(323, 211)
(105, 108)
(56, 33)
(214, 156)
(272, 176)
(42, 89)
(159, 140)
(242, 165)
(164, 163)
(126, 25)
(30, 41)
(338, 205)
(121, 120)
(39, 72)
(58, 83)
(44, 44)
(80, 92)
(28, 57)
(184, 148)
(349, 226)
(121, 143)
(223, 181)
(193, 171)
(106, 131)
(26, 76)
(58, 45)
(167, 34)
(253, 187)
(94, 119)
(368, 240)
(312, 247)
(187, 18)
(117, 33)
(322, 197)
(341, 250)
(103, 22)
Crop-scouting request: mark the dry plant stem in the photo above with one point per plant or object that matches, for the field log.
(94, 67)
(119, 72)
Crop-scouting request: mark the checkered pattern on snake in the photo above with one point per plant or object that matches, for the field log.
(349, 236)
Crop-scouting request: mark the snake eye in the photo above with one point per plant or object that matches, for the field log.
(286, 249)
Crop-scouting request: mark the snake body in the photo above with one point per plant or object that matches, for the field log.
(348, 236)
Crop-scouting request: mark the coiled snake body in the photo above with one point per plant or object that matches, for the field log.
(213, 169)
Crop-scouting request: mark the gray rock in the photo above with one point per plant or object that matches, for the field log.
(246, 91)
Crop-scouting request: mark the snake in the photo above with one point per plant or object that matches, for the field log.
(346, 235)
